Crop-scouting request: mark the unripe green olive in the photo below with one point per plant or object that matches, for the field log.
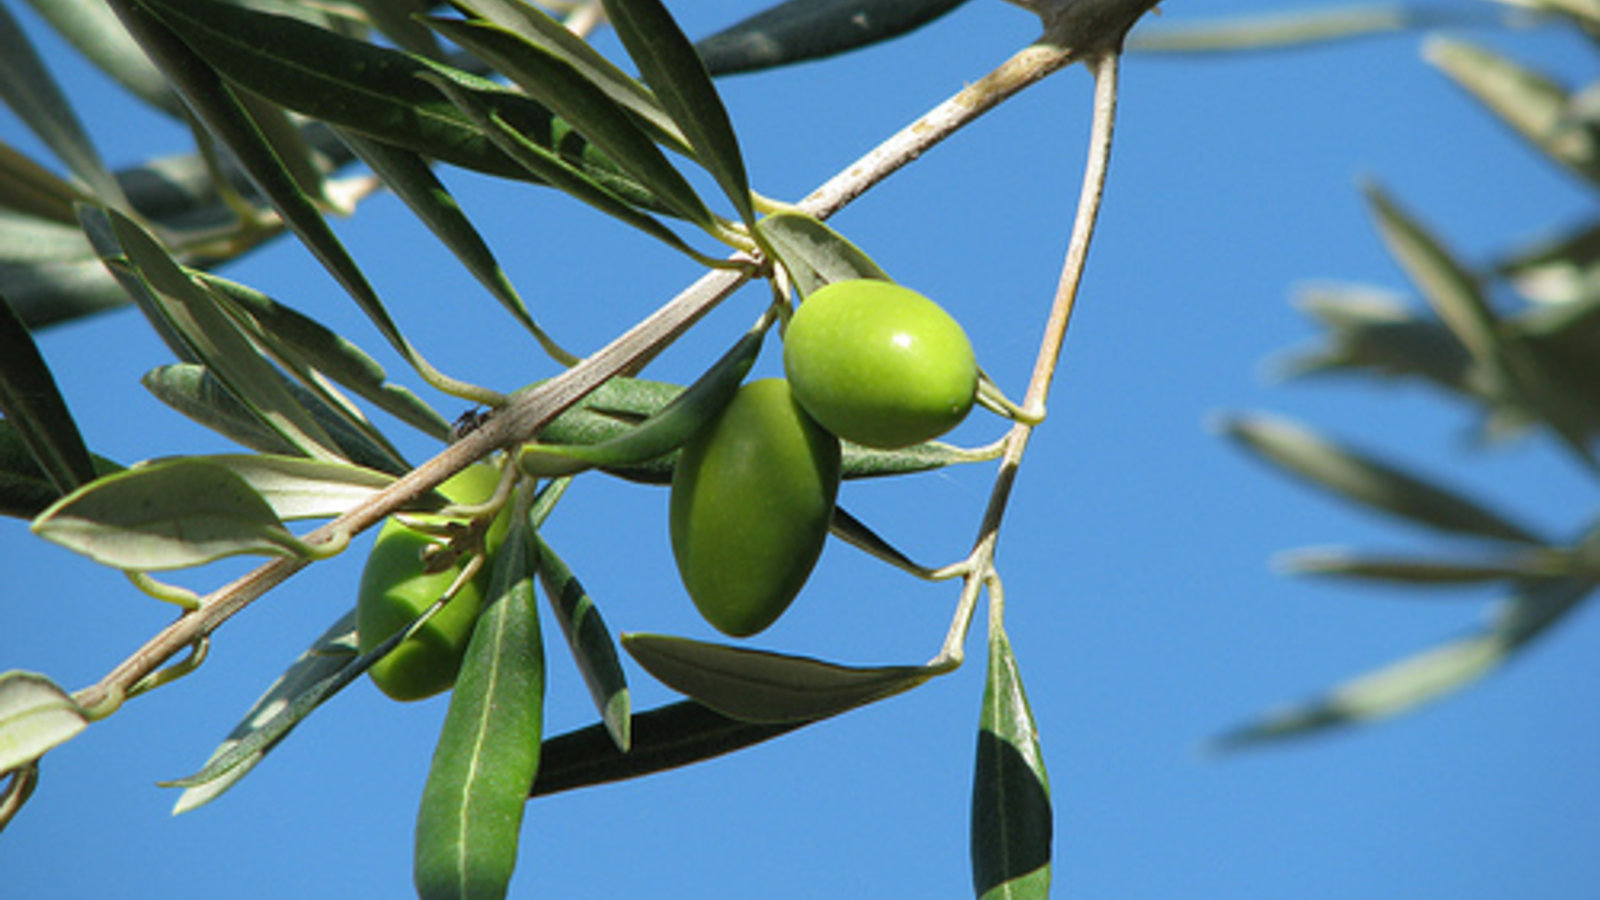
(879, 364)
(395, 590)
(751, 498)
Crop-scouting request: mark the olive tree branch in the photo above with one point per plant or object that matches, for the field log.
(530, 409)
(980, 567)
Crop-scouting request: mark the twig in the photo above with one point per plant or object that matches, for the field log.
(530, 409)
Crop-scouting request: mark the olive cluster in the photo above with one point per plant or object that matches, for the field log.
(753, 491)
(752, 495)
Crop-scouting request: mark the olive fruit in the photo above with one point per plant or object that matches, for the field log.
(395, 589)
(879, 364)
(752, 494)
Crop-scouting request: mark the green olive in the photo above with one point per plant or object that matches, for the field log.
(751, 498)
(395, 590)
(879, 364)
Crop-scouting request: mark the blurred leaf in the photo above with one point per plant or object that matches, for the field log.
(34, 407)
(27, 187)
(168, 514)
(758, 686)
(92, 27)
(1373, 332)
(1541, 563)
(1535, 106)
(1012, 823)
(556, 171)
(814, 254)
(590, 641)
(1279, 30)
(408, 175)
(488, 752)
(669, 64)
(35, 715)
(664, 431)
(585, 106)
(1559, 270)
(1368, 481)
(801, 30)
(1455, 295)
(1406, 684)
(26, 87)
(532, 25)
(322, 660)
(663, 738)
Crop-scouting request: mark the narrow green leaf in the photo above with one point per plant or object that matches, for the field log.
(662, 432)
(488, 752)
(590, 642)
(555, 171)
(801, 30)
(1369, 481)
(758, 686)
(814, 254)
(669, 64)
(93, 29)
(168, 514)
(25, 489)
(216, 341)
(35, 715)
(1372, 332)
(329, 352)
(1411, 682)
(663, 738)
(588, 108)
(192, 390)
(26, 87)
(299, 488)
(34, 407)
(322, 660)
(533, 25)
(29, 188)
(857, 534)
(216, 104)
(409, 176)
(1012, 823)
(1533, 104)
(1555, 270)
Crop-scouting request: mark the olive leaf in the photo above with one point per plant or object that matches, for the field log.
(1011, 816)
(35, 715)
(1532, 609)
(590, 642)
(488, 753)
(168, 514)
(1336, 563)
(92, 27)
(669, 64)
(25, 489)
(800, 30)
(1369, 481)
(760, 686)
(814, 254)
(667, 737)
(299, 488)
(321, 661)
(664, 431)
(1274, 30)
(35, 410)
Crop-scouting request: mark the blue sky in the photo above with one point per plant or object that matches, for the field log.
(1141, 604)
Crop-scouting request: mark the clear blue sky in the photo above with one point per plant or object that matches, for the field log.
(1142, 606)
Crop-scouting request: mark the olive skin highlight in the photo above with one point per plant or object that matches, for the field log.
(752, 495)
